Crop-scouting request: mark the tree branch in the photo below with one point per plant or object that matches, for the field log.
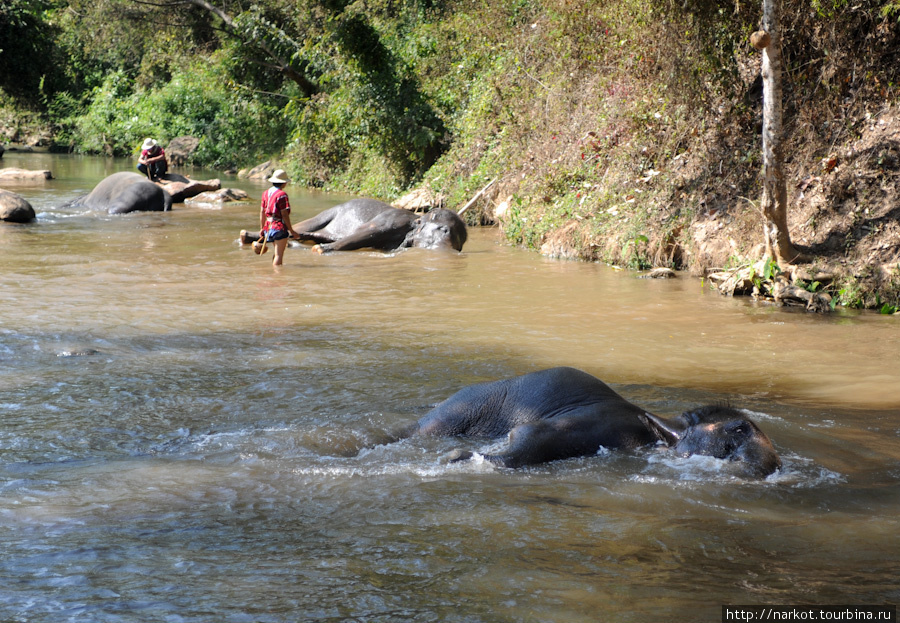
(283, 65)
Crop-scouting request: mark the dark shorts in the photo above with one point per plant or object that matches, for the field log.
(277, 234)
(157, 169)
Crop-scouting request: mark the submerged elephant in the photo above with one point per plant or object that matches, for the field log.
(367, 223)
(125, 192)
(563, 413)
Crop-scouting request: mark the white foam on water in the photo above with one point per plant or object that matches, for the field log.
(796, 471)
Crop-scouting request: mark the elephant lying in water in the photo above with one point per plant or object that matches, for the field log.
(563, 413)
(125, 192)
(367, 223)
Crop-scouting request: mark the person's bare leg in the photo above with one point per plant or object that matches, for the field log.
(280, 246)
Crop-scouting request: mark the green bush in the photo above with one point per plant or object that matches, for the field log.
(371, 103)
(233, 128)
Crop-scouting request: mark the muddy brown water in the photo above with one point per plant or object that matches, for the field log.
(182, 424)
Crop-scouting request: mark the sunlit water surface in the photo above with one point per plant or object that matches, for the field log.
(189, 434)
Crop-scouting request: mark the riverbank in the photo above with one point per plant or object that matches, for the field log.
(654, 157)
(626, 134)
(843, 212)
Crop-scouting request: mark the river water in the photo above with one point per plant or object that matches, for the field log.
(191, 435)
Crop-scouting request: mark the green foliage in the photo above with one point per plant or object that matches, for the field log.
(636, 259)
(829, 8)
(31, 66)
(516, 221)
(851, 295)
(871, 289)
(588, 104)
(763, 277)
(890, 9)
(109, 125)
(770, 269)
(196, 102)
(267, 35)
(813, 286)
(374, 104)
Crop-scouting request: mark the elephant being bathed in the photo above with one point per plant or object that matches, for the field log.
(563, 413)
(367, 223)
(124, 192)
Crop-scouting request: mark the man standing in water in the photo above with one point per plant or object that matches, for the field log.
(152, 161)
(275, 217)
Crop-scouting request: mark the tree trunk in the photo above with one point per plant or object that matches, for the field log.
(774, 197)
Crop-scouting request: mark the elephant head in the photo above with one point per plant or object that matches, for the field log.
(438, 229)
(719, 431)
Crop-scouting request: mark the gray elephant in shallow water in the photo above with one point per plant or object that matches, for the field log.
(368, 223)
(562, 413)
(124, 192)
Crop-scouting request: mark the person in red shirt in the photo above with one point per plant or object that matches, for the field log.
(275, 216)
(152, 161)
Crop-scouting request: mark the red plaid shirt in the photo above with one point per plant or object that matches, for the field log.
(275, 203)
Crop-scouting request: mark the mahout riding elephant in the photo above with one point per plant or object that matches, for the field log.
(125, 192)
(368, 223)
(562, 413)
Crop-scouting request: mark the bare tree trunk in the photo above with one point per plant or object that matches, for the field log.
(774, 197)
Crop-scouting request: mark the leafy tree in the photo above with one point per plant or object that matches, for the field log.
(250, 27)
(30, 65)
(348, 78)
(405, 126)
(231, 126)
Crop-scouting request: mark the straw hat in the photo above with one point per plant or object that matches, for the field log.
(279, 177)
(149, 143)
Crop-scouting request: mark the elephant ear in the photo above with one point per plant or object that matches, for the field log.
(666, 431)
(410, 238)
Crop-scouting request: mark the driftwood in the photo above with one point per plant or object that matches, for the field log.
(748, 280)
(191, 188)
(218, 197)
(732, 282)
(23, 176)
(477, 196)
(788, 294)
(420, 200)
